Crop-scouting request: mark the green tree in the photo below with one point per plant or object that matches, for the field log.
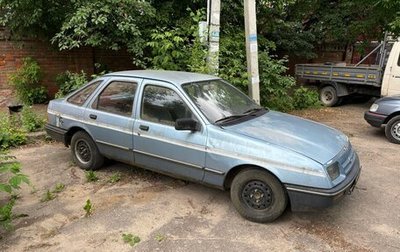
(344, 22)
(34, 18)
(111, 24)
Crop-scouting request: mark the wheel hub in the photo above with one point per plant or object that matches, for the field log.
(396, 131)
(257, 195)
(328, 96)
(83, 151)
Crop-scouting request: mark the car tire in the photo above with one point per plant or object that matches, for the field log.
(85, 152)
(392, 130)
(328, 96)
(258, 196)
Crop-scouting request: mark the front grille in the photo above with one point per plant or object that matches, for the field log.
(346, 159)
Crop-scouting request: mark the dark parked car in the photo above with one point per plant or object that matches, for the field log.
(386, 112)
(201, 128)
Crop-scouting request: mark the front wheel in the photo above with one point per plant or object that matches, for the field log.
(258, 196)
(392, 130)
(85, 152)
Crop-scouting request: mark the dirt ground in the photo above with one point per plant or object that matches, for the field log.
(172, 215)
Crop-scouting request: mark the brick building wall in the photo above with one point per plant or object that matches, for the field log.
(335, 54)
(53, 62)
(323, 54)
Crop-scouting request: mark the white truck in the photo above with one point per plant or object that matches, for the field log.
(336, 81)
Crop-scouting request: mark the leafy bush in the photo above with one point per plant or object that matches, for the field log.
(275, 85)
(37, 95)
(26, 81)
(305, 98)
(10, 134)
(69, 82)
(179, 48)
(12, 178)
(232, 60)
(31, 121)
(169, 48)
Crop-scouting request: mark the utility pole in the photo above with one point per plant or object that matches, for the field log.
(213, 49)
(252, 49)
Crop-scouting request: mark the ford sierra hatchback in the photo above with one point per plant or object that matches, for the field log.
(200, 128)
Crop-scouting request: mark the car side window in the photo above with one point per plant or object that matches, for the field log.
(80, 97)
(117, 98)
(163, 105)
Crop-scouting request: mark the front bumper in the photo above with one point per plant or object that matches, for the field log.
(56, 133)
(374, 119)
(306, 198)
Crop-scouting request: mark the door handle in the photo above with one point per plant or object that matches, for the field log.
(144, 127)
(92, 116)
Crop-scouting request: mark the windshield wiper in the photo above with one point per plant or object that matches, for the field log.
(249, 112)
(229, 118)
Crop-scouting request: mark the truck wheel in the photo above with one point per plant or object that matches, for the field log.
(258, 196)
(392, 130)
(84, 152)
(328, 96)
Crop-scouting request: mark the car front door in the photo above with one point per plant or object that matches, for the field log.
(110, 118)
(157, 144)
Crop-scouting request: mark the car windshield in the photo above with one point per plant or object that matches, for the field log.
(220, 101)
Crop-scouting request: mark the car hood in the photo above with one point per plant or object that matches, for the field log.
(388, 98)
(314, 140)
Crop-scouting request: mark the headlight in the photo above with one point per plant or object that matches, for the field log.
(333, 170)
(374, 107)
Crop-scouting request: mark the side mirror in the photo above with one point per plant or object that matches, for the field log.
(187, 124)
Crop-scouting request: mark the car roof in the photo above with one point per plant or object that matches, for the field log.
(175, 77)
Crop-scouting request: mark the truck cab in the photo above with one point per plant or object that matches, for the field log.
(391, 76)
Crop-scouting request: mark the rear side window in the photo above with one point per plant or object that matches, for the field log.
(117, 98)
(80, 97)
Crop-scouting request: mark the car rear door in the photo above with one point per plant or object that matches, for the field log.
(110, 118)
(157, 144)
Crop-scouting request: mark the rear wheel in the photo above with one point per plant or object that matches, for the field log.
(392, 130)
(258, 196)
(85, 152)
(328, 96)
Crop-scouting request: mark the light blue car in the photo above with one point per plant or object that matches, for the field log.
(200, 128)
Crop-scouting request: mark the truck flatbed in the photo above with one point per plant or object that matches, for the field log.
(341, 73)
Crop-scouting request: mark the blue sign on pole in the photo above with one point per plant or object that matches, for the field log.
(253, 37)
(215, 34)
